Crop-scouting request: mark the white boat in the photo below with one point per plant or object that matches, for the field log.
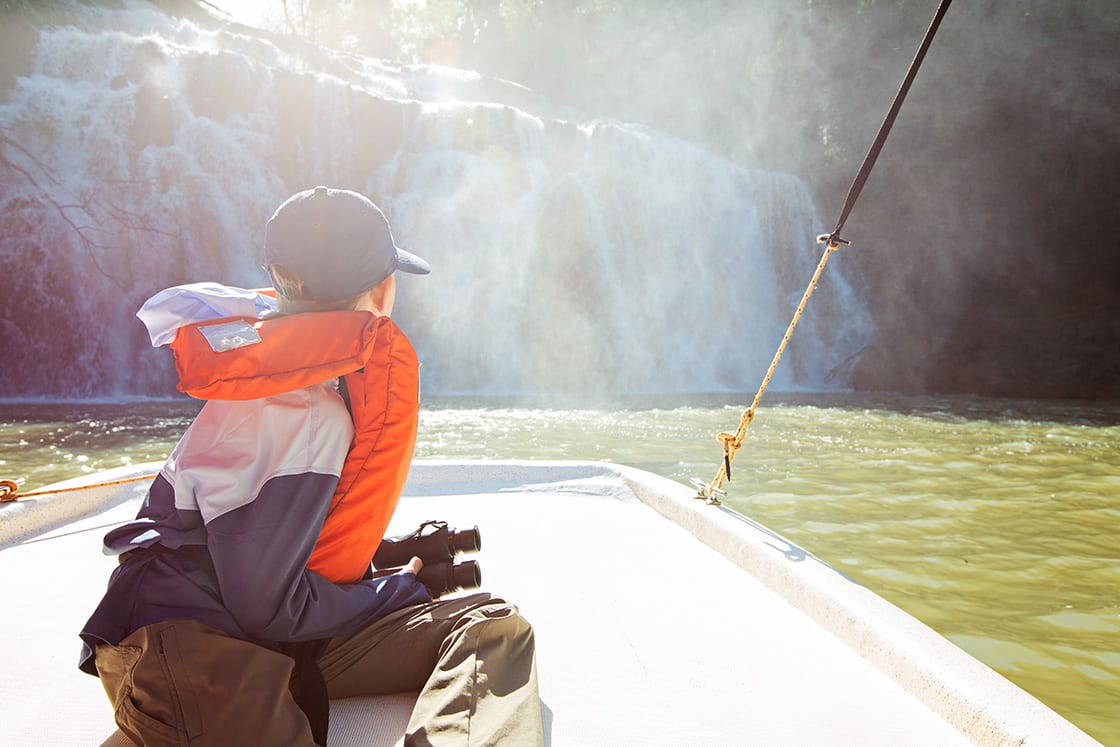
(660, 620)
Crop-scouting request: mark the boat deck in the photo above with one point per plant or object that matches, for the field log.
(646, 635)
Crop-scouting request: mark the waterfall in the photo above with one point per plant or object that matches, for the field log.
(569, 255)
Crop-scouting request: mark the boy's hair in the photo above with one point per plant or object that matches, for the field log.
(291, 299)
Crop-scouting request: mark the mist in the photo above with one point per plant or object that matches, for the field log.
(141, 149)
(981, 249)
(984, 233)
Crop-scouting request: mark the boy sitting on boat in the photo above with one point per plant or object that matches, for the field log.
(244, 598)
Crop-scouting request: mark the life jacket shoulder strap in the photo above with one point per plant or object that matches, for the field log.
(384, 404)
(241, 358)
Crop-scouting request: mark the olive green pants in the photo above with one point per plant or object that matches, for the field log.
(179, 682)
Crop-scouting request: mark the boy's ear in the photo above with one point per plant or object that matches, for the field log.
(383, 294)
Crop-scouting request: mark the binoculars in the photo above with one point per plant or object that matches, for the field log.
(437, 545)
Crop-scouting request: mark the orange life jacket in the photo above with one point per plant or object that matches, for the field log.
(380, 374)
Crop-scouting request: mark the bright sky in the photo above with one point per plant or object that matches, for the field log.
(258, 12)
(252, 12)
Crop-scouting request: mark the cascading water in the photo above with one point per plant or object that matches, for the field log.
(140, 151)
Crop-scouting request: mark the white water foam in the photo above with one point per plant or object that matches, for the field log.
(575, 256)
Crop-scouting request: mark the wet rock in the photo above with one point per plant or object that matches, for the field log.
(154, 121)
(17, 45)
(219, 86)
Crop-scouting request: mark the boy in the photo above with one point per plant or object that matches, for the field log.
(243, 600)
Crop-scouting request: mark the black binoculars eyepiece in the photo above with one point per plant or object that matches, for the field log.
(437, 545)
(442, 578)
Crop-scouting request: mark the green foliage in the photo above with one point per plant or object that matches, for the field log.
(15, 6)
(32, 10)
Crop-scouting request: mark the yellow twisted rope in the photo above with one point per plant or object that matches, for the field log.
(732, 442)
(9, 490)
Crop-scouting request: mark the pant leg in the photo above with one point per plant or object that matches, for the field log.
(179, 682)
(471, 658)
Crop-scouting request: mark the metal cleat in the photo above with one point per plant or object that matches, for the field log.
(704, 491)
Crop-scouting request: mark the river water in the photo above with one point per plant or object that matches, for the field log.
(994, 522)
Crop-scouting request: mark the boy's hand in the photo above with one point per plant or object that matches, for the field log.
(413, 566)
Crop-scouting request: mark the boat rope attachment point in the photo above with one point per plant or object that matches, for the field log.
(708, 493)
(8, 490)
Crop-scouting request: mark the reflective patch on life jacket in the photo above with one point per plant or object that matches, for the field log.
(230, 335)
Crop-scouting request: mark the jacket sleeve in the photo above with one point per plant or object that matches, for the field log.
(263, 476)
(260, 554)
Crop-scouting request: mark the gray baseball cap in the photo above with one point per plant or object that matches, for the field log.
(337, 241)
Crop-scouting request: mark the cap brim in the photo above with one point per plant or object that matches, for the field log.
(409, 262)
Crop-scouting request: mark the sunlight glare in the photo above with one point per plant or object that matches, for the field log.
(255, 13)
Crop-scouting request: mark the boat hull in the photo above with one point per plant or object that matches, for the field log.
(660, 620)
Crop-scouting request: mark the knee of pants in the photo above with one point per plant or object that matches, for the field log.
(519, 627)
(502, 621)
(498, 611)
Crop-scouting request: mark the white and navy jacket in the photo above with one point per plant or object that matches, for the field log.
(228, 525)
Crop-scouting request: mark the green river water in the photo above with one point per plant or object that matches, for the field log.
(992, 521)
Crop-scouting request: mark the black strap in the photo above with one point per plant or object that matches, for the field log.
(885, 128)
(308, 688)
